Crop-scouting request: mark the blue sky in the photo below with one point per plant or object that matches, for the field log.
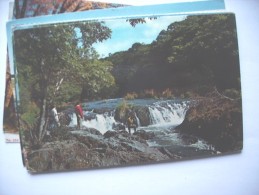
(124, 35)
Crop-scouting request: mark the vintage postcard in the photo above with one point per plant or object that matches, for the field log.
(32, 8)
(116, 91)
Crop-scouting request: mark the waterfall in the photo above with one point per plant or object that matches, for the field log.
(102, 122)
(157, 116)
(138, 121)
(167, 113)
(161, 113)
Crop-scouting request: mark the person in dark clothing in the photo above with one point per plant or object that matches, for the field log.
(131, 123)
(79, 114)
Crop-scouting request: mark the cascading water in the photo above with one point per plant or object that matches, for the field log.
(161, 113)
(167, 114)
(164, 116)
(102, 122)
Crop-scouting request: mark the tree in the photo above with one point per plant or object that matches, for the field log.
(197, 53)
(100, 82)
(206, 45)
(53, 54)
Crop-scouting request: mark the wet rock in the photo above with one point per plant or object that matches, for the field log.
(121, 114)
(141, 112)
(57, 156)
(109, 134)
(188, 139)
(143, 115)
(169, 154)
(93, 131)
(89, 149)
(145, 135)
(118, 127)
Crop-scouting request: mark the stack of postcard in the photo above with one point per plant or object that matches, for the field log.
(33, 8)
(125, 86)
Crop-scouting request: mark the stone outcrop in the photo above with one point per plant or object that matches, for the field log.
(71, 149)
(142, 112)
(218, 121)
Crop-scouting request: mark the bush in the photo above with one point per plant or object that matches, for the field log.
(122, 111)
(131, 96)
(31, 114)
(167, 93)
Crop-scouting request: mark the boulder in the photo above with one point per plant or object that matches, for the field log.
(143, 115)
(145, 135)
(88, 149)
(216, 120)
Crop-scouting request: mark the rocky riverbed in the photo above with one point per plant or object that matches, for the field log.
(211, 126)
(69, 149)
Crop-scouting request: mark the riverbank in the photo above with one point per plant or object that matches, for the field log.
(218, 120)
(71, 149)
(212, 125)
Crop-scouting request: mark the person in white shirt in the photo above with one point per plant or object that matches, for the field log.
(54, 115)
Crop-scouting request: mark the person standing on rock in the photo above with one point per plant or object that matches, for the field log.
(54, 116)
(79, 114)
(131, 123)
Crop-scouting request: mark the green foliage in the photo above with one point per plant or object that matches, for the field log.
(205, 46)
(123, 110)
(134, 22)
(124, 106)
(48, 57)
(198, 53)
(30, 114)
(68, 92)
(97, 80)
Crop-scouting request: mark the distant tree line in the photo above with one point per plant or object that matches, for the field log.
(198, 53)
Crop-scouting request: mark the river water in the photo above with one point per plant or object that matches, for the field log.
(164, 116)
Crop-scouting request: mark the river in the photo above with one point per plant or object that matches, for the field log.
(164, 116)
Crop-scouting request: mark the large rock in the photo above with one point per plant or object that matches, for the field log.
(142, 112)
(218, 121)
(89, 149)
(143, 115)
(58, 155)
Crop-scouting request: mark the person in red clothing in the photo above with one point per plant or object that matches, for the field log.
(79, 114)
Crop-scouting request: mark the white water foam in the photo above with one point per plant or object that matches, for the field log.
(162, 114)
(168, 114)
(102, 122)
(202, 145)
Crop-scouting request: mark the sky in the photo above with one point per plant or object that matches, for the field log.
(124, 35)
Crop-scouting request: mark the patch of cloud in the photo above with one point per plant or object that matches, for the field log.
(110, 47)
(124, 35)
(155, 26)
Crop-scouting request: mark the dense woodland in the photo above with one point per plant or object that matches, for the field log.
(57, 64)
(198, 53)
